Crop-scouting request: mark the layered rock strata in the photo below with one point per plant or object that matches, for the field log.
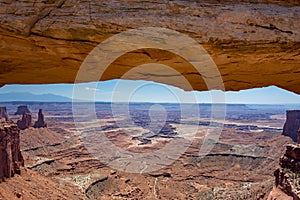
(46, 41)
(10, 155)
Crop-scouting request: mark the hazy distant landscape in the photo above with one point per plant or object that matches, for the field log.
(117, 91)
(240, 164)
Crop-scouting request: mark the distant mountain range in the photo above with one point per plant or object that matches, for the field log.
(26, 96)
(267, 95)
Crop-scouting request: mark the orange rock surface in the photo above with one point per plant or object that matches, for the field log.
(252, 44)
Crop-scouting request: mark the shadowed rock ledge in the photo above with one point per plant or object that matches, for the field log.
(292, 125)
(253, 44)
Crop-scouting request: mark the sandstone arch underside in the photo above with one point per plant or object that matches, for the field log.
(252, 44)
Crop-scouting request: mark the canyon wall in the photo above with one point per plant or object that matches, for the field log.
(292, 124)
(3, 113)
(287, 176)
(10, 155)
(253, 43)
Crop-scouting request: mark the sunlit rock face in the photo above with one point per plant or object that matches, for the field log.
(252, 44)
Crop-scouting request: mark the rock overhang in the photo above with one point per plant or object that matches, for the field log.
(253, 45)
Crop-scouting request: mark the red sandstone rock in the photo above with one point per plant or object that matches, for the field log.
(286, 174)
(10, 155)
(293, 151)
(46, 41)
(40, 123)
(22, 110)
(3, 113)
(292, 124)
(25, 122)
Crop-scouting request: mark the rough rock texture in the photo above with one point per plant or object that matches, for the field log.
(298, 136)
(46, 41)
(39, 138)
(287, 176)
(40, 123)
(291, 158)
(277, 194)
(31, 185)
(22, 110)
(25, 122)
(10, 155)
(3, 113)
(292, 124)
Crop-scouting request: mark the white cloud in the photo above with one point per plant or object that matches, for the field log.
(93, 89)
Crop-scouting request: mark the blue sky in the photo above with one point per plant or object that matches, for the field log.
(146, 91)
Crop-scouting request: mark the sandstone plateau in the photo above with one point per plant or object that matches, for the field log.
(253, 44)
(23, 109)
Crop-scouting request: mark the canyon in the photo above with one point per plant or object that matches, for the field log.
(252, 43)
(66, 156)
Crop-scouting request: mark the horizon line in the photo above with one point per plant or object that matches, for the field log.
(146, 102)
